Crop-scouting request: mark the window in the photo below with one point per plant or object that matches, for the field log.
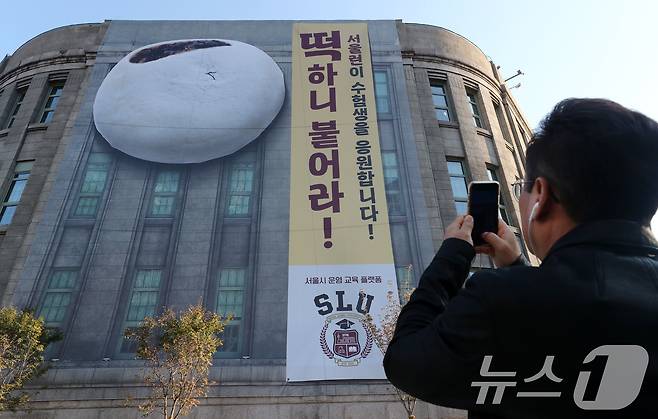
(18, 101)
(143, 302)
(503, 125)
(392, 183)
(524, 136)
(54, 93)
(458, 185)
(58, 296)
(18, 183)
(440, 100)
(405, 280)
(493, 175)
(473, 102)
(241, 183)
(381, 92)
(165, 191)
(230, 301)
(144, 297)
(93, 184)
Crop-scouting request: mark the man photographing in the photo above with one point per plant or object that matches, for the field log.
(576, 336)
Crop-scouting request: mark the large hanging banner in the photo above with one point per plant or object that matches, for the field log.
(341, 262)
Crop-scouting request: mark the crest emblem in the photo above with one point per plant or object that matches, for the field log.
(349, 331)
(346, 340)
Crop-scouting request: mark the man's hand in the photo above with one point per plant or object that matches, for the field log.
(502, 247)
(461, 229)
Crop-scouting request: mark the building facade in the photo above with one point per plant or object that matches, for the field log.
(94, 239)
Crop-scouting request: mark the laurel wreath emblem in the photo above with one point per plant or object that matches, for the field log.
(368, 346)
(323, 342)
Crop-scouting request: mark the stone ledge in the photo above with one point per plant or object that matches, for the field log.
(484, 132)
(270, 408)
(444, 124)
(37, 126)
(126, 372)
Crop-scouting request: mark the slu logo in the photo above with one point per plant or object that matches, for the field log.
(346, 350)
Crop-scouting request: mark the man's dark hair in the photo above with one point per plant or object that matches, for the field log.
(600, 159)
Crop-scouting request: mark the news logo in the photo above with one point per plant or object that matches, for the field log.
(620, 384)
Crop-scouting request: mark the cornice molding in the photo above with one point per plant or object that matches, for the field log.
(454, 63)
(34, 66)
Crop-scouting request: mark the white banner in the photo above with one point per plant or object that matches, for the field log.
(340, 262)
(327, 335)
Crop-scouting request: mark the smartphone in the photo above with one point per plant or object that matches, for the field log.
(483, 198)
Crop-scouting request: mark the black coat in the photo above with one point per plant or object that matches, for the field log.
(597, 286)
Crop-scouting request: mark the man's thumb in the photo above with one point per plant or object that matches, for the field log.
(468, 224)
(493, 240)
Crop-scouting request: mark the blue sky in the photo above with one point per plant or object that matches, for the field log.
(581, 48)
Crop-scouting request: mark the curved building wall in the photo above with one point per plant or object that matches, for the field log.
(57, 43)
(100, 234)
(437, 60)
(31, 143)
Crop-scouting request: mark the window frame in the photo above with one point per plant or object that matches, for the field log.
(107, 166)
(18, 173)
(134, 289)
(386, 98)
(444, 87)
(253, 156)
(502, 123)
(50, 291)
(234, 322)
(492, 175)
(524, 137)
(388, 191)
(230, 193)
(47, 113)
(168, 194)
(131, 324)
(19, 97)
(474, 103)
(463, 175)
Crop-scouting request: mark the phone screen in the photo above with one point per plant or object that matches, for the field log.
(483, 207)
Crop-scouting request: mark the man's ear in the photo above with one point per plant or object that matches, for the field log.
(545, 203)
